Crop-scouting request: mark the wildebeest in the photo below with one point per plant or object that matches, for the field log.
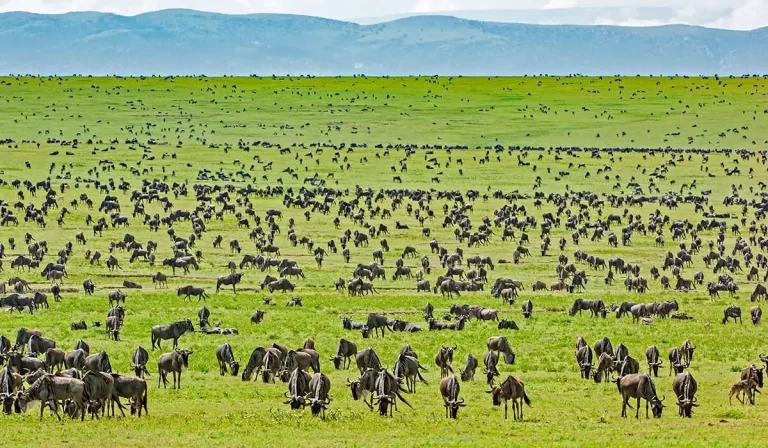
(732, 312)
(491, 361)
(507, 325)
(134, 389)
(231, 279)
(298, 388)
(443, 360)
(226, 359)
(387, 392)
(654, 361)
(684, 386)
(189, 290)
(38, 344)
(756, 313)
(376, 322)
(98, 362)
(170, 331)
(50, 389)
(596, 307)
(409, 369)
(318, 393)
(344, 352)
(468, 372)
(98, 391)
(258, 316)
(367, 359)
(640, 386)
(281, 285)
(255, 363)
(139, 362)
(449, 389)
(511, 389)
(584, 359)
(173, 362)
(501, 345)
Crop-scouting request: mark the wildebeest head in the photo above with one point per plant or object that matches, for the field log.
(657, 406)
(686, 405)
(453, 407)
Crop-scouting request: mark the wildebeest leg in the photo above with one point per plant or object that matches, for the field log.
(119, 405)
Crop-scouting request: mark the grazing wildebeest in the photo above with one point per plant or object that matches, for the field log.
(501, 345)
(686, 351)
(596, 307)
(584, 358)
(115, 297)
(255, 363)
(298, 388)
(271, 364)
(491, 361)
(654, 361)
(170, 331)
(511, 389)
(367, 359)
(468, 372)
(387, 392)
(318, 390)
(231, 279)
(603, 346)
(732, 312)
(50, 389)
(89, 287)
(226, 359)
(173, 362)
(139, 362)
(98, 391)
(449, 389)
(134, 389)
(344, 352)
(364, 386)
(604, 365)
(640, 386)
(685, 387)
(757, 313)
(527, 309)
(443, 360)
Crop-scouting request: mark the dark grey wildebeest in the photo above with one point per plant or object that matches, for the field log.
(685, 388)
(38, 344)
(511, 389)
(449, 389)
(654, 360)
(387, 392)
(226, 359)
(231, 279)
(367, 359)
(318, 394)
(98, 362)
(344, 352)
(49, 390)
(376, 322)
(595, 307)
(139, 362)
(409, 369)
(170, 331)
(54, 359)
(255, 363)
(732, 312)
(173, 362)
(501, 344)
(189, 290)
(298, 388)
(491, 361)
(134, 389)
(75, 359)
(640, 386)
(468, 372)
(584, 359)
(444, 359)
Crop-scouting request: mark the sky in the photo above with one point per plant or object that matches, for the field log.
(732, 14)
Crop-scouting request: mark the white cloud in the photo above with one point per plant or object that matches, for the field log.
(751, 15)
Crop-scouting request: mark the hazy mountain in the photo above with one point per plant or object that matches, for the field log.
(618, 15)
(191, 42)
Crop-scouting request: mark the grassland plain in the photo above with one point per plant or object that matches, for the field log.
(209, 116)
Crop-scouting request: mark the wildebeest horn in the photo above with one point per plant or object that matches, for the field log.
(455, 346)
(286, 395)
(664, 397)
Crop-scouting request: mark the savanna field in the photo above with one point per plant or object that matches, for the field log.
(505, 139)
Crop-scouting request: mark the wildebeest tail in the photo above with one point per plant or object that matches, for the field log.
(421, 378)
(527, 400)
(403, 400)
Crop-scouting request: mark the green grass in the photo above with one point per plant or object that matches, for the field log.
(226, 411)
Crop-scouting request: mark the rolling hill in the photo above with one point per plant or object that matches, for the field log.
(192, 42)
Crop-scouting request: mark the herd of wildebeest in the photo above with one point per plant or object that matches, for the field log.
(80, 382)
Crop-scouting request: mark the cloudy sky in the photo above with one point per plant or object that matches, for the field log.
(734, 14)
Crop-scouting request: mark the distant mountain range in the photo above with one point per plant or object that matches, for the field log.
(192, 42)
